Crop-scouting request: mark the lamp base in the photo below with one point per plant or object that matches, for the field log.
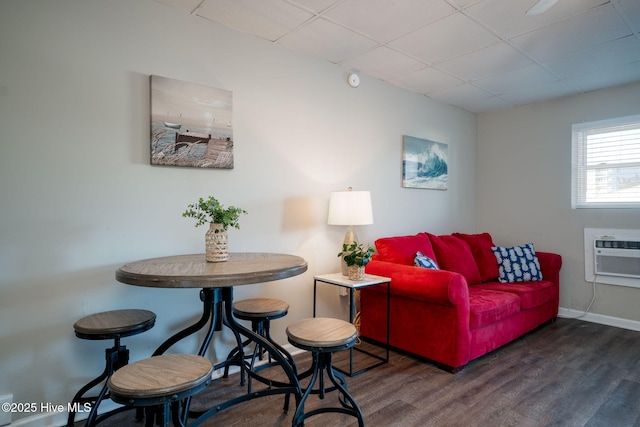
(349, 238)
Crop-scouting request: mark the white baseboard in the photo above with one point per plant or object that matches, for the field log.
(632, 325)
(60, 418)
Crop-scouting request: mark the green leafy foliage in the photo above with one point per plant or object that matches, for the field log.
(213, 212)
(356, 254)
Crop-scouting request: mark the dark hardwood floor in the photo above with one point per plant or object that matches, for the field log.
(567, 373)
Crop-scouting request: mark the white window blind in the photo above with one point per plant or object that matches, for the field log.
(606, 164)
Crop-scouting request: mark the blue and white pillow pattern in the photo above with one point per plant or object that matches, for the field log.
(517, 264)
(424, 261)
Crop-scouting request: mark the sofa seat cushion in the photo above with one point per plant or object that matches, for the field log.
(488, 306)
(403, 249)
(532, 294)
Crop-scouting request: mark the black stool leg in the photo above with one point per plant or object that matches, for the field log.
(237, 355)
(323, 362)
(116, 357)
(299, 416)
(349, 402)
(78, 398)
(263, 328)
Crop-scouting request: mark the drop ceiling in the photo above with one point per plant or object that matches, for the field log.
(479, 55)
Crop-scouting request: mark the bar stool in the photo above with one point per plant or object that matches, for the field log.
(260, 311)
(322, 337)
(108, 325)
(161, 382)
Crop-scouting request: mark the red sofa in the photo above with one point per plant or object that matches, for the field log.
(460, 311)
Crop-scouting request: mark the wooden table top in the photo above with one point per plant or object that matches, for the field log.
(193, 271)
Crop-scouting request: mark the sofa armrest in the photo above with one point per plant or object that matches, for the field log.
(429, 312)
(550, 265)
(434, 286)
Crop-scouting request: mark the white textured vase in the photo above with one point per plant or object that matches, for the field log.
(216, 243)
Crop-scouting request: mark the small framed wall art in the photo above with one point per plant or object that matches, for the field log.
(424, 164)
(190, 125)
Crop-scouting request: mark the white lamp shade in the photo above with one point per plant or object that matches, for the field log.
(350, 208)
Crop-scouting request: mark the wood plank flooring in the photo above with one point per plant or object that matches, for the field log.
(567, 373)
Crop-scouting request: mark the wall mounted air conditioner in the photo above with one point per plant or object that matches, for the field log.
(612, 256)
(617, 257)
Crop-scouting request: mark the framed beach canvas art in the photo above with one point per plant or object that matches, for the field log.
(190, 125)
(424, 164)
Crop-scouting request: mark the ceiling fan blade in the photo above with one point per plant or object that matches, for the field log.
(541, 7)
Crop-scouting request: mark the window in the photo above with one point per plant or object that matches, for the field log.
(606, 164)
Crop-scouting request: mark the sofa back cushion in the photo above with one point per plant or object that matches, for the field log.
(481, 245)
(403, 249)
(454, 254)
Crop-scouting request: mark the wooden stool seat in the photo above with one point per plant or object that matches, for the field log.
(164, 377)
(323, 336)
(108, 325)
(260, 308)
(164, 381)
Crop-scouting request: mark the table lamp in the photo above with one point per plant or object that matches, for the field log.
(350, 208)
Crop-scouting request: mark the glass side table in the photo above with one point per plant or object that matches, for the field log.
(338, 279)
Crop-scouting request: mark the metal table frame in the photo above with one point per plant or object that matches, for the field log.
(337, 279)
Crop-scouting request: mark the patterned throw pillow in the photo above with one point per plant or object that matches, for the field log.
(424, 261)
(517, 264)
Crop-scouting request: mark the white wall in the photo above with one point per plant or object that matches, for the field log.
(79, 198)
(524, 190)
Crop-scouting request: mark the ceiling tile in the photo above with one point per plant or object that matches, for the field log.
(508, 19)
(621, 51)
(598, 26)
(594, 58)
(383, 63)
(486, 61)
(324, 39)
(186, 5)
(630, 9)
(269, 19)
(532, 75)
(459, 94)
(385, 20)
(570, 64)
(465, 3)
(485, 104)
(606, 76)
(449, 37)
(316, 6)
(426, 80)
(527, 95)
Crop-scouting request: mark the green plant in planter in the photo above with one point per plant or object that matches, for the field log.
(356, 254)
(213, 212)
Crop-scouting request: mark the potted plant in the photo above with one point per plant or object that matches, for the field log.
(356, 256)
(220, 218)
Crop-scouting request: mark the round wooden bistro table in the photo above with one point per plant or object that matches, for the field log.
(216, 280)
